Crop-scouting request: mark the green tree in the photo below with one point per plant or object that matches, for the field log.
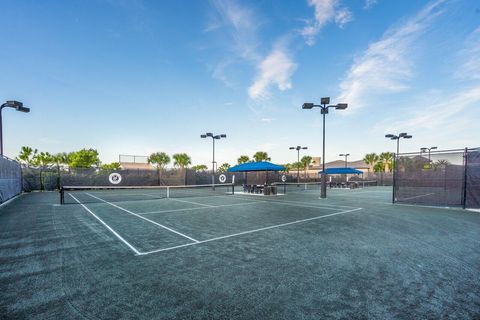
(223, 168)
(288, 167)
(243, 159)
(370, 159)
(27, 155)
(440, 164)
(200, 167)
(110, 166)
(387, 159)
(261, 156)
(60, 159)
(160, 160)
(306, 162)
(43, 160)
(85, 158)
(379, 167)
(181, 160)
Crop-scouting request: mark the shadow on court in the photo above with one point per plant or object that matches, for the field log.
(352, 255)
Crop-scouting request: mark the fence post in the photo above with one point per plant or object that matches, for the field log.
(465, 164)
(394, 182)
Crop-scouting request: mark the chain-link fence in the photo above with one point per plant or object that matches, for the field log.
(436, 178)
(10, 179)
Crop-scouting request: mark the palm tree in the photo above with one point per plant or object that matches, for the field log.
(42, 160)
(387, 158)
(59, 159)
(261, 156)
(200, 167)
(26, 155)
(370, 159)
(160, 160)
(306, 162)
(441, 164)
(223, 168)
(243, 159)
(181, 160)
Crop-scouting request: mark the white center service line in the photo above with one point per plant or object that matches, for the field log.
(251, 231)
(146, 219)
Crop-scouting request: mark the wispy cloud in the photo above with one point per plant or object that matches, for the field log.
(440, 112)
(385, 67)
(325, 12)
(276, 69)
(267, 120)
(470, 58)
(369, 4)
(239, 24)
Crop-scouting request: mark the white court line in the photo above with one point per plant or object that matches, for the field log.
(107, 226)
(300, 204)
(423, 206)
(198, 208)
(251, 231)
(191, 202)
(422, 195)
(146, 219)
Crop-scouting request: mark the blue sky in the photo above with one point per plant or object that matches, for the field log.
(134, 77)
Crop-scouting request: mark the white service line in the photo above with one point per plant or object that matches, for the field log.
(251, 231)
(146, 219)
(300, 204)
(107, 226)
(191, 202)
(419, 196)
(198, 208)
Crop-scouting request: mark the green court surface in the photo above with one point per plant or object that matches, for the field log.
(353, 255)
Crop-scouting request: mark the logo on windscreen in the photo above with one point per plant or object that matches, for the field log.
(115, 178)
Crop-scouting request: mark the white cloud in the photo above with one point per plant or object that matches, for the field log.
(440, 112)
(369, 4)
(325, 12)
(239, 25)
(268, 120)
(470, 58)
(387, 65)
(275, 69)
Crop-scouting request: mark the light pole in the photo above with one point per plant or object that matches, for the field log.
(214, 137)
(403, 135)
(346, 156)
(429, 149)
(9, 104)
(298, 148)
(324, 110)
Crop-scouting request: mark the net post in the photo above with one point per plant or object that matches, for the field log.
(168, 192)
(62, 196)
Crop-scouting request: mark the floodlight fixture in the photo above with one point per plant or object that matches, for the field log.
(403, 134)
(17, 105)
(324, 106)
(214, 137)
(307, 105)
(298, 148)
(389, 135)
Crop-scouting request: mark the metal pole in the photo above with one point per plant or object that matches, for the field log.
(346, 161)
(213, 164)
(298, 165)
(394, 176)
(398, 144)
(323, 193)
(465, 176)
(1, 131)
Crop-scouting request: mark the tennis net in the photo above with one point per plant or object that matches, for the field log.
(95, 194)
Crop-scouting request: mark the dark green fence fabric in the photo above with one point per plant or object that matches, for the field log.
(10, 179)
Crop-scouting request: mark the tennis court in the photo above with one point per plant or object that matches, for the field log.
(216, 254)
